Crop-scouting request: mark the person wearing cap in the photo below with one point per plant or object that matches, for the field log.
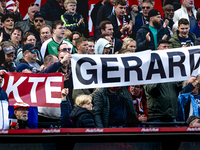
(102, 46)
(149, 35)
(21, 114)
(30, 53)
(193, 121)
(163, 44)
(189, 99)
(39, 21)
(9, 55)
(27, 23)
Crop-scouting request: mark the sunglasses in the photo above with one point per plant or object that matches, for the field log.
(34, 51)
(66, 49)
(146, 7)
(34, 5)
(2, 76)
(40, 20)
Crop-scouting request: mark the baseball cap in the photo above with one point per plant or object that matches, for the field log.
(108, 45)
(153, 13)
(39, 14)
(163, 41)
(21, 105)
(8, 50)
(29, 47)
(23, 66)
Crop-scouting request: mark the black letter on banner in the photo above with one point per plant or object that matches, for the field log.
(177, 64)
(106, 69)
(130, 68)
(192, 65)
(92, 71)
(160, 70)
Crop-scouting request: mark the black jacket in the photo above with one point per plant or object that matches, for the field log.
(104, 11)
(82, 118)
(116, 28)
(52, 10)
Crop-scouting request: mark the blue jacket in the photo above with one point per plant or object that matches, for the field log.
(183, 97)
(196, 30)
(66, 109)
(4, 122)
(143, 44)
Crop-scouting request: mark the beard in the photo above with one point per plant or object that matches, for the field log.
(7, 65)
(24, 117)
(157, 25)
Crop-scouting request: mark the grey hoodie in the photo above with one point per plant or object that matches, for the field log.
(99, 45)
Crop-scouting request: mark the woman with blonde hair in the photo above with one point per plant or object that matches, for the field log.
(81, 115)
(129, 43)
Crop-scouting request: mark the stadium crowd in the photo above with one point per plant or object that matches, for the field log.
(47, 39)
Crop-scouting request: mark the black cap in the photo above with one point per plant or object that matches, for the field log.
(29, 47)
(190, 119)
(39, 14)
(153, 13)
(163, 41)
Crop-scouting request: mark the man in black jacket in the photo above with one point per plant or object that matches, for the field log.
(122, 25)
(113, 107)
(105, 10)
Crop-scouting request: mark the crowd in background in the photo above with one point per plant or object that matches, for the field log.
(47, 39)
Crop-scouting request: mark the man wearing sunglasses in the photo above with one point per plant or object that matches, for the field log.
(141, 18)
(27, 23)
(39, 21)
(30, 53)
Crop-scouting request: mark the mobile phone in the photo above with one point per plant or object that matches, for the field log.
(188, 42)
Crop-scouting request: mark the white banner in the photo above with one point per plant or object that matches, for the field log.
(147, 67)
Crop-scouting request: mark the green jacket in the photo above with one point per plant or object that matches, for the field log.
(176, 43)
(102, 107)
(162, 99)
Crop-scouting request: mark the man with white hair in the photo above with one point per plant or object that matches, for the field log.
(187, 11)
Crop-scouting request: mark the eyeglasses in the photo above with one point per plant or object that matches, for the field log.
(2, 76)
(36, 20)
(146, 7)
(66, 49)
(33, 4)
(34, 51)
